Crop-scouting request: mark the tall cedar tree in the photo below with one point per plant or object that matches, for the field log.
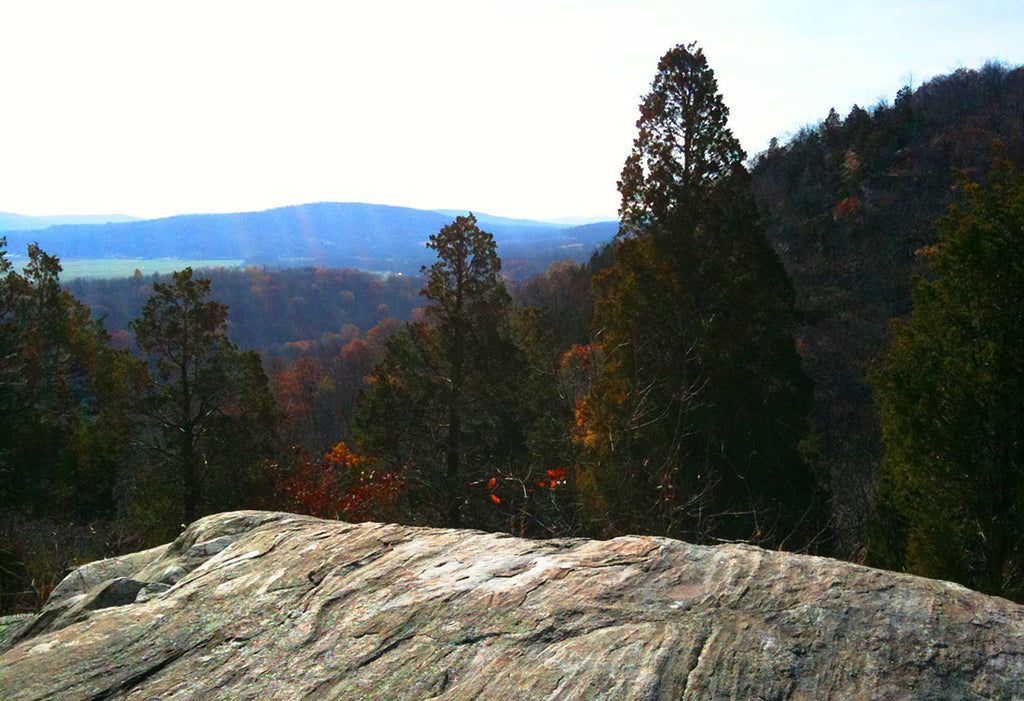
(66, 423)
(951, 396)
(440, 407)
(693, 425)
(212, 416)
(64, 419)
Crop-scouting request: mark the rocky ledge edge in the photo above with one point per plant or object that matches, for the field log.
(270, 605)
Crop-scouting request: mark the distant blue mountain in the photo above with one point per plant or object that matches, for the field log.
(21, 222)
(332, 234)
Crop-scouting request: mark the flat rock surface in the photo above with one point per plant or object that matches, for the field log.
(261, 605)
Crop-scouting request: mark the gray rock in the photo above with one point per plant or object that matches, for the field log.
(10, 626)
(92, 574)
(268, 605)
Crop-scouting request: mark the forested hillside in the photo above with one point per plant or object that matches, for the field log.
(269, 309)
(849, 203)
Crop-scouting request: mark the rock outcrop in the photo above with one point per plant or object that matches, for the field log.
(270, 605)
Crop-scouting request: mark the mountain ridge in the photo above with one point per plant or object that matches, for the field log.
(331, 234)
(11, 221)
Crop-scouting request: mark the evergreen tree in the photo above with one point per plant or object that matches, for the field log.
(442, 405)
(63, 396)
(66, 425)
(209, 409)
(951, 395)
(693, 425)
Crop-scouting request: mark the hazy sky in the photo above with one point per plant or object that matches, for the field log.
(522, 108)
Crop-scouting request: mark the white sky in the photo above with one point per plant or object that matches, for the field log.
(522, 108)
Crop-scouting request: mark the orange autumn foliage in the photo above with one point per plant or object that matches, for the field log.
(313, 488)
(341, 456)
(338, 486)
(583, 425)
(555, 478)
(846, 208)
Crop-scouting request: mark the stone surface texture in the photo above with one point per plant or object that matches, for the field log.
(260, 605)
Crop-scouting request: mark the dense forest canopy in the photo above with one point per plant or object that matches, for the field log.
(270, 308)
(706, 375)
